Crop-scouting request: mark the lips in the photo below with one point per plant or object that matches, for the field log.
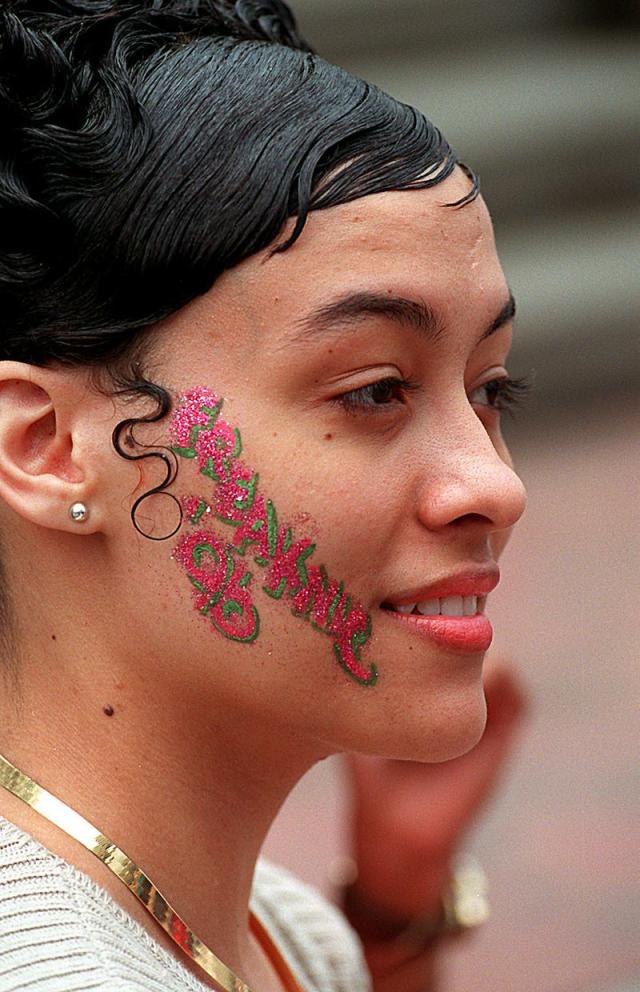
(448, 612)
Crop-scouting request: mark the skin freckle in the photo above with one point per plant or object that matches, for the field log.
(328, 437)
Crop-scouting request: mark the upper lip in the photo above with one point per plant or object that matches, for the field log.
(469, 582)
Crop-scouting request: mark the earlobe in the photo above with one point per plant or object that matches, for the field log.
(41, 470)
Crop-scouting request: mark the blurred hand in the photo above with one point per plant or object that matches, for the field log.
(410, 818)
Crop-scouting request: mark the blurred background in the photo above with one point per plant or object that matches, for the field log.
(542, 98)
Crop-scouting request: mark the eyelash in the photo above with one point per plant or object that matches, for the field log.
(506, 394)
(362, 400)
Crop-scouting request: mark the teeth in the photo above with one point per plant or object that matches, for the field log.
(448, 606)
(430, 608)
(451, 606)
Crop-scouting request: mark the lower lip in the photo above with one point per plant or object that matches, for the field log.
(466, 634)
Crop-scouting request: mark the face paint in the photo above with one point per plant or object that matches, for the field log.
(217, 570)
(220, 584)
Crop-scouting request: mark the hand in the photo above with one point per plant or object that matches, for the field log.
(404, 843)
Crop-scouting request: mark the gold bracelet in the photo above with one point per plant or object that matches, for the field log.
(464, 906)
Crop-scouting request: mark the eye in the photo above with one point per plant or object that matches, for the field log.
(501, 394)
(377, 396)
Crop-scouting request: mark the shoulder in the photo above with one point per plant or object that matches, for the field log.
(59, 930)
(313, 935)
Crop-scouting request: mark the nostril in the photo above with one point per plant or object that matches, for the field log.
(472, 518)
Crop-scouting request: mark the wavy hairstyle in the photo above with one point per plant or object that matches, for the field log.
(148, 145)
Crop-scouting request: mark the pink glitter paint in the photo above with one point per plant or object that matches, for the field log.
(190, 413)
(216, 570)
(220, 583)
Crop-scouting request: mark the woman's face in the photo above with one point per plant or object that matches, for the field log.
(339, 410)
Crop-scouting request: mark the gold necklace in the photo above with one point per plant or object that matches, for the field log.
(58, 813)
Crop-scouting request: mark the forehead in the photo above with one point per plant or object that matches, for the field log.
(382, 237)
(409, 244)
(410, 222)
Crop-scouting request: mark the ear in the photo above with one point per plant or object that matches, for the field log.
(45, 453)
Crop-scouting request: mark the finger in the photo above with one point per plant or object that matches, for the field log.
(505, 690)
(367, 775)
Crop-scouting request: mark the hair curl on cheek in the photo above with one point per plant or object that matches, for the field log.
(125, 444)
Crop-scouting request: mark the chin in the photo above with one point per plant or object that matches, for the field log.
(455, 729)
(454, 745)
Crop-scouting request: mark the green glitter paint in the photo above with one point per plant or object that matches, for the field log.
(223, 592)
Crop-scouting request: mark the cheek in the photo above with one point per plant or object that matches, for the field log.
(502, 448)
(242, 548)
(499, 541)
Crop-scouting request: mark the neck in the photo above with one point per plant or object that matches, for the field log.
(188, 794)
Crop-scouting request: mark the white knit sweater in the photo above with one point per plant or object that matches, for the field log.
(60, 932)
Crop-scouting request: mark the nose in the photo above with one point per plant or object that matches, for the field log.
(470, 480)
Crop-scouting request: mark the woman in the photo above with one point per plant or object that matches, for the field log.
(253, 493)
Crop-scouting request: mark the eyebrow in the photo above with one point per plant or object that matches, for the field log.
(417, 315)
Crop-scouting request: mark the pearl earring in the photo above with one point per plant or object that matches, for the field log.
(78, 513)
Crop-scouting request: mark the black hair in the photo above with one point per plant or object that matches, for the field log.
(148, 145)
